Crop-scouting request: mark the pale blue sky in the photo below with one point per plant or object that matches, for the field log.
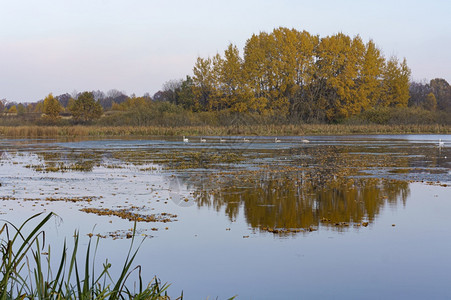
(136, 45)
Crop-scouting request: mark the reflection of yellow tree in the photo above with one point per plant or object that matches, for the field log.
(292, 200)
(314, 185)
(302, 196)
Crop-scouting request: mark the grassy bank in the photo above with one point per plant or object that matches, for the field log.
(262, 130)
(27, 273)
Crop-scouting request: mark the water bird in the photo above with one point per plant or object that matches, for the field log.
(440, 143)
(221, 140)
(246, 140)
(202, 140)
(185, 140)
(305, 141)
(276, 140)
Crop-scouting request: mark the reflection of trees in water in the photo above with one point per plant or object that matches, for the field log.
(291, 200)
(308, 186)
(316, 185)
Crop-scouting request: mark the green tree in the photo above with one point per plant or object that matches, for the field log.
(85, 109)
(186, 94)
(21, 109)
(140, 110)
(52, 107)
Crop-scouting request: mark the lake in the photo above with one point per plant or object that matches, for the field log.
(337, 217)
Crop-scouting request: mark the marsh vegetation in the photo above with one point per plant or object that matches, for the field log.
(28, 270)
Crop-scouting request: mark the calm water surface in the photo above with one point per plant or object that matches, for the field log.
(349, 217)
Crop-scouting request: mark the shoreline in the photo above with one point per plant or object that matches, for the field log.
(260, 130)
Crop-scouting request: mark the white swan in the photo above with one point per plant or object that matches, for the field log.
(185, 140)
(246, 140)
(221, 140)
(276, 140)
(202, 140)
(440, 143)
(305, 141)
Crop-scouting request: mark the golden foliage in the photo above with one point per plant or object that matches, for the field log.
(52, 107)
(289, 72)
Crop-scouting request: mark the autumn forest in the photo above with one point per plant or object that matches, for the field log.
(285, 76)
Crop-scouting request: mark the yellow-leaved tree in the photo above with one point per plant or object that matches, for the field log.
(430, 102)
(370, 76)
(395, 89)
(297, 75)
(205, 85)
(257, 69)
(235, 93)
(338, 69)
(52, 108)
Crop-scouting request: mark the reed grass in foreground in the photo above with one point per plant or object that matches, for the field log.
(26, 271)
(261, 130)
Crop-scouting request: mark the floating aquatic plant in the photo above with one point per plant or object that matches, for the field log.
(131, 216)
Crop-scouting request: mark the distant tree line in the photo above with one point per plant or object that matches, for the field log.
(284, 75)
(304, 78)
(435, 95)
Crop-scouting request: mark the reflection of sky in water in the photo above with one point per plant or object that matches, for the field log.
(257, 142)
(205, 252)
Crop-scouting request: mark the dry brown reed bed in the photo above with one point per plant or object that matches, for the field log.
(263, 130)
